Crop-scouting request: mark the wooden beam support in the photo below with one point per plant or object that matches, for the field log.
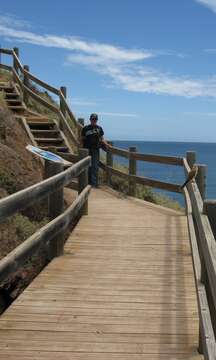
(209, 209)
(14, 260)
(191, 158)
(19, 200)
(83, 179)
(62, 103)
(55, 208)
(109, 163)
(16, 50)
(26, 83)
(201, 179)
(132, 171)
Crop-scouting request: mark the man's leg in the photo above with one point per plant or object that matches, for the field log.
(94, 167)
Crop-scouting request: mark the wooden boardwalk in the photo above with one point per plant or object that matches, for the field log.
(124, 290)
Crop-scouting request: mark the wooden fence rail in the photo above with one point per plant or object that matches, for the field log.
(25, 78)
(52, 234)
(203, 247)
(20, 199)
(201, 214)
(131, 177)
(42, 237)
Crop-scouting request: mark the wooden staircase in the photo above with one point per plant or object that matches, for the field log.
(44, 132)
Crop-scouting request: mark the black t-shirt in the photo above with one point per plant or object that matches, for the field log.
(92, 136)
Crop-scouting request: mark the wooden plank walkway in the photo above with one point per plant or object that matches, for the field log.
(123, 290)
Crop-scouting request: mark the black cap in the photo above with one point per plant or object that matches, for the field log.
(93, 116)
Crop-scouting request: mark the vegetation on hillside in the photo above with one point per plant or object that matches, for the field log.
(5, 75)
(18, 170)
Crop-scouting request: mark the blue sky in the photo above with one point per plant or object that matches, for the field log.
(148, 67)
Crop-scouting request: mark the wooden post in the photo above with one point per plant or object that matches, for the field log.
(62, 106)
(209, 209)
(191, 158)
(26, 83)
(201, 179)
(16, 50)
(81, 121)
(55, 208)
(83, 179)
(200, 346)
(109, 163)
(132, 171)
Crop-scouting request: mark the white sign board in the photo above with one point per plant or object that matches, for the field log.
(47, 155)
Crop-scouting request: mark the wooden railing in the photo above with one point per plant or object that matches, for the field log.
(52, 235)
(201, 216)
(25, 80)
(131, 177)
(201, 213)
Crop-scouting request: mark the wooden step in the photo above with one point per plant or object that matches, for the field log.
(39, 125)
(57, 148)
(38, 118)
(14, 102)
(11, 95)
(50, 140)
(16, 108)
(45, 133)
(7, 89)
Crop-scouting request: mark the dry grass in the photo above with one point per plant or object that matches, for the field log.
(5, 75)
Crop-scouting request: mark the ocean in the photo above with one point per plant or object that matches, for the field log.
(206, 154)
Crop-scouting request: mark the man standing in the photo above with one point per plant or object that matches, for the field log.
(92, 138)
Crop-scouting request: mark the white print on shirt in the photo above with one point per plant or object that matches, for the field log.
(92, 132)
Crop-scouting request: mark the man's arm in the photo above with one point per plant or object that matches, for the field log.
(104, 141)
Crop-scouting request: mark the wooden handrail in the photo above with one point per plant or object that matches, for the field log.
(67, 129)
(160, 159)
(154, 158)
(41, 83)
(22, 198)
(6, 51)
(143, 180)
(203, 247)
(70, 113)
(206, 325)
(41, 100)
(119, 151)
(29, 76)
(6, 67)
(18, 63)
(21, 253)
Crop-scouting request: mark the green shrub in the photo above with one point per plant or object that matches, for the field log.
(25, 227)
(5, 75)
(7, 182)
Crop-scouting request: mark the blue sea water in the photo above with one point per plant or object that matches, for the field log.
(206, 154)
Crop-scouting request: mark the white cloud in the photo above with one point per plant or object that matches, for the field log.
(107, 51)
(140, 78)
(208, 114)
(211, 51)
(125, 68)
(82, 101)
(12, 20)
(211, 4)
(110, 114)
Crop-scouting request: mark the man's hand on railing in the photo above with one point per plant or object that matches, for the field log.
(104, 145)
